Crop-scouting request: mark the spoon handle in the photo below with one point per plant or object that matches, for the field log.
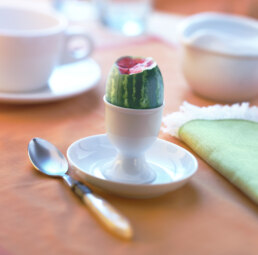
(109, 216)
(105, 212)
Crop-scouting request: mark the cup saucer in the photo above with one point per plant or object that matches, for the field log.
(173, 165)
(66, 81)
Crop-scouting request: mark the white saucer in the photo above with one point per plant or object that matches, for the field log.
(66, 81)
(174, 166)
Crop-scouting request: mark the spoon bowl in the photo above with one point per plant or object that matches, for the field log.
(46, 158)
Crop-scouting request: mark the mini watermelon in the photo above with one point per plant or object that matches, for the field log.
(136, 83)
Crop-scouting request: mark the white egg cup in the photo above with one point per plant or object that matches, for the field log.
(132, 132)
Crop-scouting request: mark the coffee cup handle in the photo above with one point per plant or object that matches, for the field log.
(73, 47)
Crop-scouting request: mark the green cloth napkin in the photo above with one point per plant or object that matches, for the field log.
(229, 145)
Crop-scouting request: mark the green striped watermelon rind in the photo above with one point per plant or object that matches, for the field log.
(142, 90)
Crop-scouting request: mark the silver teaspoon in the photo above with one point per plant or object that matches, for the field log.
(47, 159)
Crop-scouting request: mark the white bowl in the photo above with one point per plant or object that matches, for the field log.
(220, 56)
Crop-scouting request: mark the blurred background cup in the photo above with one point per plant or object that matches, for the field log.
(127, 16)
(32, 44)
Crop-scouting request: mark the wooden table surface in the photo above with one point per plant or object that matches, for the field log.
(39, 215)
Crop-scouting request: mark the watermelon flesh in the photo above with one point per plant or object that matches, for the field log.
(129, 65)
(136, 83)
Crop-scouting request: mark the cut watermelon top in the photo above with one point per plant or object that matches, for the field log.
(130, 65)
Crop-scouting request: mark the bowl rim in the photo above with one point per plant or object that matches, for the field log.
(201, 18)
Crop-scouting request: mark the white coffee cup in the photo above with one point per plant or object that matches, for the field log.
(32, 44)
